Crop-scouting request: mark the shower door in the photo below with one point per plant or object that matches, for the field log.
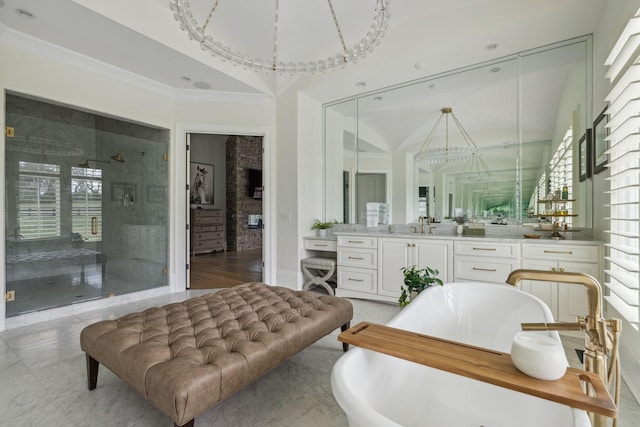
(85, 206)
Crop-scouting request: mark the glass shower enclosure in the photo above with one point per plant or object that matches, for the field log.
(85, 206)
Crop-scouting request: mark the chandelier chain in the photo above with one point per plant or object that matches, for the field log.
(335, 21)
(206, 22)
(275, 38)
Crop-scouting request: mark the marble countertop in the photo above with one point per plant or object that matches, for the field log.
(447, 232)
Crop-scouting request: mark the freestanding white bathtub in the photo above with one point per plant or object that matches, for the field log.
(379, 390)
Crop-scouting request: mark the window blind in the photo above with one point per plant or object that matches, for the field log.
(39, 200)
(622, 273)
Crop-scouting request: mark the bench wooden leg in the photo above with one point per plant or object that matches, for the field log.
(188, 424)
(345, 346)
(92, 372)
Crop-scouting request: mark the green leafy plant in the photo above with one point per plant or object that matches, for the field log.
(461, 219)
(320, 225)
(417, 280)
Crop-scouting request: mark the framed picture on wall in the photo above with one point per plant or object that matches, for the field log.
(600, 146)
(584, 151)
(201, 183)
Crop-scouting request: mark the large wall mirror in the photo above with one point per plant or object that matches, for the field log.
(525, 113)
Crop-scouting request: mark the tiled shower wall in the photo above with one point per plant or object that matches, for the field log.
(243, 153)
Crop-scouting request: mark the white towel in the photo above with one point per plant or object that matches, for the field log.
(373, 214)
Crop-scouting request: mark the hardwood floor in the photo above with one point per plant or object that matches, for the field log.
(225, 269)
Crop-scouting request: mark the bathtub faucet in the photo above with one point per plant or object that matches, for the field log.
(598, 342)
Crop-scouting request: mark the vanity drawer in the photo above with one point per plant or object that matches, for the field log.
(491, 249)
(358, 242)
(483, 269)
(362, 258)
(357, 280)
(581, 253)
(320, 245)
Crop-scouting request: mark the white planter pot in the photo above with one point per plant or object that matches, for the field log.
(322, 232)
(459, 229)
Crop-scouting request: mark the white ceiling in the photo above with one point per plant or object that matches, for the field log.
(424, 38)
(142, 37)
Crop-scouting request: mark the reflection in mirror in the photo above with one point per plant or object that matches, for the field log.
(525, 112)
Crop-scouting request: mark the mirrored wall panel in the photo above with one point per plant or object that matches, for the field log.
(85, 205)
(492, 141)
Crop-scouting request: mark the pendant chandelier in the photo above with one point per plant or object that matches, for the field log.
(202, 23)
(474, 171)
(429, 153)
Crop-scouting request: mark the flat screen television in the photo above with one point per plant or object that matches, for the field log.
(255, 183)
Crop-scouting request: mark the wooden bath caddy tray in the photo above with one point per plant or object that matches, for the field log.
(481, 364)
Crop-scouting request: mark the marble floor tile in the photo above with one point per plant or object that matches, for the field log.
(43, 380)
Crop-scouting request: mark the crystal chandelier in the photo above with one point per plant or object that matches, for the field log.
(196, 25)
(474, 171)
(448, 153)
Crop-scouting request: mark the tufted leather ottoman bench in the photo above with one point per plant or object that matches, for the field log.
(186, 357)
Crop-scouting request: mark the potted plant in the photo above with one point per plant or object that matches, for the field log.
(460, 221)
(322, 226)
(416, 280)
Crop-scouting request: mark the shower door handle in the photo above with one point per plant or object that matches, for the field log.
(94, 225)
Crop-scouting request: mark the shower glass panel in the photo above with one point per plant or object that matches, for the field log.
(86, 211)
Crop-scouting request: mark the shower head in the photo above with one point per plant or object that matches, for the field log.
(86, 163)
(118, 158)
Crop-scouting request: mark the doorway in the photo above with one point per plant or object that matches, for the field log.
(232, 165)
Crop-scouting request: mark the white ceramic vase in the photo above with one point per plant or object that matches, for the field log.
(459, 229)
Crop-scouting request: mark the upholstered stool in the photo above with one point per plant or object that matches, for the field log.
(319, 271)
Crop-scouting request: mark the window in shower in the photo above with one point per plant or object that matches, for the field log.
(86, 212)
(38, 200)
(86, 204)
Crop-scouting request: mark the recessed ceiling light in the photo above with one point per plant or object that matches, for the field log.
(492, 46)
(24, 13)
(186, 78)
(202, 85)
(378, 98)
(361, 84)
(495, 70)
(433, 86)
(420, 65)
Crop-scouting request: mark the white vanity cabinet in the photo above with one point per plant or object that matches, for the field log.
(485, 261)
(567, 301)
(357, 266)
(396, 253)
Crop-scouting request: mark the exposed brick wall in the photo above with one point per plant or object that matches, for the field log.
(243, 153)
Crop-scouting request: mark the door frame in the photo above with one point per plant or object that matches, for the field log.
(179, 198)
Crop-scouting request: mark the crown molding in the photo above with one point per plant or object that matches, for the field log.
(43, 48)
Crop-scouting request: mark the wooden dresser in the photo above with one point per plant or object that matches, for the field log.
(207, 231)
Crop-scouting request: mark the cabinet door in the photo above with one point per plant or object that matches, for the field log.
(437, 255)
(393, 255)
(572, 299)
(546, 291)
